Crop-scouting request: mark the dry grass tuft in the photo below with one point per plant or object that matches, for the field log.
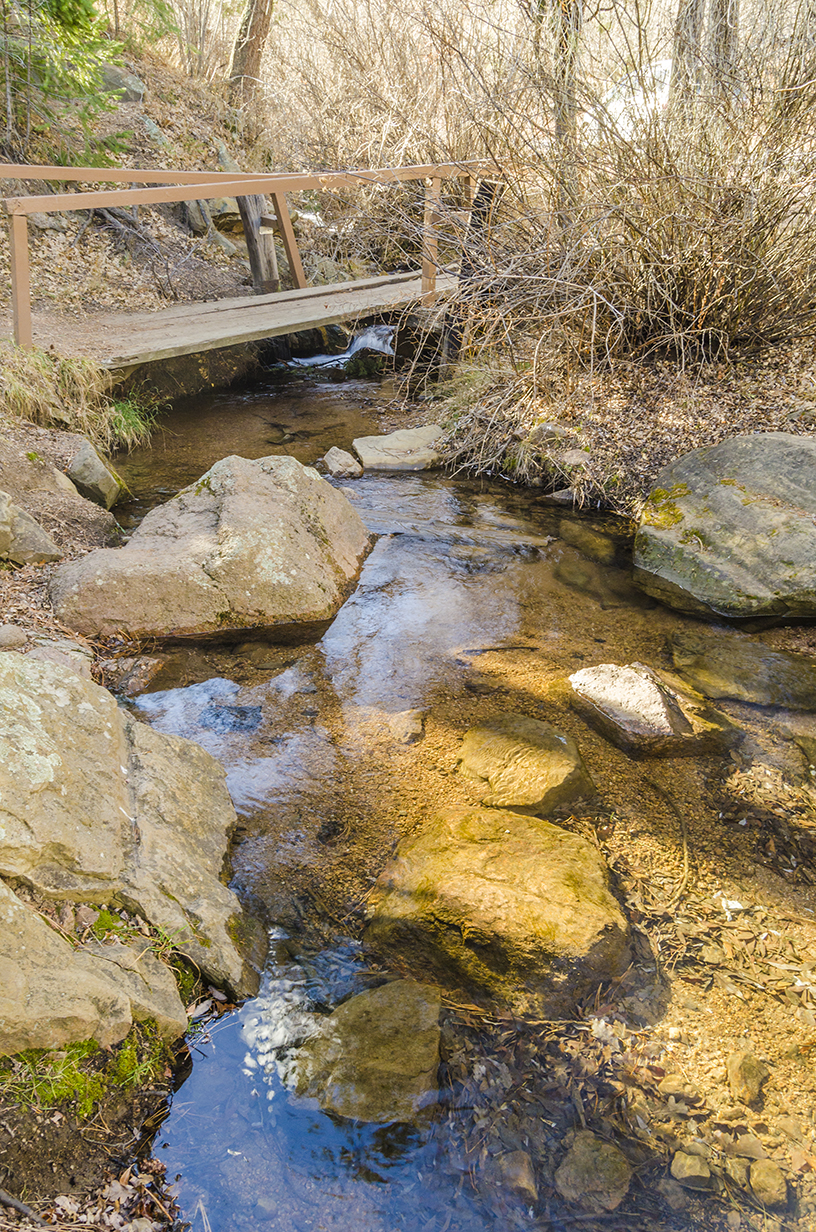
(74, 394)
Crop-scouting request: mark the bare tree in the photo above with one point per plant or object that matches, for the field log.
(245, 69)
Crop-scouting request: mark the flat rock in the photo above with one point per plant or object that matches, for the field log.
(594, 1173)
(409, 449)
(746, 1075)
(507, 902)
(729, 530)
(523, 763)
(96, 807)
(265, 545)
(92, 478)
(768, 1183)
(52, 994)
(647, 713)
(732, 665)
(376, 1056)
(22, 540)
(342, 465)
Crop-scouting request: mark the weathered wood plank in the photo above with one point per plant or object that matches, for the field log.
(147, 337)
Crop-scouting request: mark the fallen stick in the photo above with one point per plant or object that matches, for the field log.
(16, 1205)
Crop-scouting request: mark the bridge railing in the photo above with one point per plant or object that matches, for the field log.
(174, 186)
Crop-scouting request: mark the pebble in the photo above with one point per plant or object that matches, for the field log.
(85, 917)
(12, 637)
(746, 1074)
(673, 1194)
(594, 1174)
(516, 1170)
(407, 726)
(691, 1171)
(768, 1183)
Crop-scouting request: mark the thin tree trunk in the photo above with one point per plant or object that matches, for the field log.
(687, 59)
(245, 69)
(724, 46)
(567, 21)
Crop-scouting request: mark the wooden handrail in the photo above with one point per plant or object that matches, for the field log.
(197, 185)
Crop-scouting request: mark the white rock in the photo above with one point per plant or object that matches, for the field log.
(341, 465)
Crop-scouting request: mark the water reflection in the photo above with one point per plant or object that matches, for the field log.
(246, 1150)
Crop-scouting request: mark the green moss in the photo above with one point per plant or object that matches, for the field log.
(661, 510)
(33, 456)
(82, 1074)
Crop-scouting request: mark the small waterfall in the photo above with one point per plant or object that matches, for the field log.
(374, 338)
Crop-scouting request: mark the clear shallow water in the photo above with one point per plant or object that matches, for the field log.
(461, 571)
(252, 1154)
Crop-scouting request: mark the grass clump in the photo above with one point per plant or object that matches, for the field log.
(73, 394)
(82, 1074)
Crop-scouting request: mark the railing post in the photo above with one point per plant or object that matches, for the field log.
(430, 237)
(20, 280)
(287, 234)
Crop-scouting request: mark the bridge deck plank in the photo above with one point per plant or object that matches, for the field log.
(126, 340)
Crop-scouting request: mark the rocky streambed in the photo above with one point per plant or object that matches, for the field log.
(536, 853)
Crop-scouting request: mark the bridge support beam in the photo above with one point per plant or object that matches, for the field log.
(20, 280)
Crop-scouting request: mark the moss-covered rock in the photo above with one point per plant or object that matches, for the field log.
(729, 530)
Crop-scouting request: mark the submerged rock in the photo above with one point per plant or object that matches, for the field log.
(730, 530)
(516, 1172)
(595, 1174)
(768, 1183)
(746, 1075)
(647, 713)
(731, 665)
(263, 545)
(98, 808)
(375, 1058)
(691, 1171)
(510, 903)
(524, 763)
(52, 994)
(409, 449)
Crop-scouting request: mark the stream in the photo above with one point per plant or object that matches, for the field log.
(475, 599)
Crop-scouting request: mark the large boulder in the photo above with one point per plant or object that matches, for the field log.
(52, 994)
(729, 530)
(99, 808)
(263, 545)
(518, 762)
(512, 904)
(730, 665)
(375, 1058)
(647, 713)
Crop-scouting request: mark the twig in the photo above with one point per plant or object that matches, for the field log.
(21, 1208)
(667, 796)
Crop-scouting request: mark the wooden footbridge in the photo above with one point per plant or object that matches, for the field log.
(126, 340)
